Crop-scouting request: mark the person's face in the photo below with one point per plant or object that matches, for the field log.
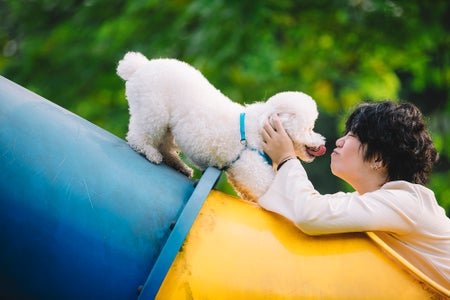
(347, 160)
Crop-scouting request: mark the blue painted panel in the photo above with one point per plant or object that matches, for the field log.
(82, 216)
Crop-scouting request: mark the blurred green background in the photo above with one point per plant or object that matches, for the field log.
(340, 52)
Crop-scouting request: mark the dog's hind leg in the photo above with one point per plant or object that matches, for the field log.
(139, 139)
(169, 150)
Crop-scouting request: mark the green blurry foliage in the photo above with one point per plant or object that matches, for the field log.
(339, 52)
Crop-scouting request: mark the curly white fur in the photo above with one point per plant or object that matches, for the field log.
(173, 106)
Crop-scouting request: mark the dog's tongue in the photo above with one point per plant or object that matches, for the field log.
(319, 151)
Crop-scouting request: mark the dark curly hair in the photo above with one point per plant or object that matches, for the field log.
(396, 134)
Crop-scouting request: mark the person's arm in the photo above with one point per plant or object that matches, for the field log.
(293, 196)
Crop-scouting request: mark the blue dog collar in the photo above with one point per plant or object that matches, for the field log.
(244, 141)
(242, 128)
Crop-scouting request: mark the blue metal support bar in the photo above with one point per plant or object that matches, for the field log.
(179, 233)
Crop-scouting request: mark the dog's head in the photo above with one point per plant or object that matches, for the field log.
(298, 113)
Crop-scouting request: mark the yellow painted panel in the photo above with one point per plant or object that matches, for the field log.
(236, 250)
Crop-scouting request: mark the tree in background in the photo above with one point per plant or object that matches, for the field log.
(339, 52)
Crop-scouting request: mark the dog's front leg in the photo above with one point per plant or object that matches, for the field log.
(250, 175)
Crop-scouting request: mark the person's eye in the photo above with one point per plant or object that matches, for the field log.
(352, 135)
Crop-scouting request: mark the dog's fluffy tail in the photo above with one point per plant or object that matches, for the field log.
(130, 63)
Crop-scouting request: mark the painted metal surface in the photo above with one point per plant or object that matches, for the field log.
(82, 216)
(236, 250)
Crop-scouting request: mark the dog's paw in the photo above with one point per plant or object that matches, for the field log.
(155, 158)
(150, 153)
(188, 172)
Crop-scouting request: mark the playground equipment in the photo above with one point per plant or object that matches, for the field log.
(83, 216)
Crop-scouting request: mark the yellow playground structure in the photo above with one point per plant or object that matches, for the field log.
(236, 250)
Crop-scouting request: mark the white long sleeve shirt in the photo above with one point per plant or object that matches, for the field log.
(405, 216)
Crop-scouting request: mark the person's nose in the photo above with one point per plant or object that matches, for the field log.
(340, 142)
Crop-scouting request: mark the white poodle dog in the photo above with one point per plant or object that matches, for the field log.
(173, 107)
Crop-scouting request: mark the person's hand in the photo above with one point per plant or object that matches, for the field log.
(276, 142)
